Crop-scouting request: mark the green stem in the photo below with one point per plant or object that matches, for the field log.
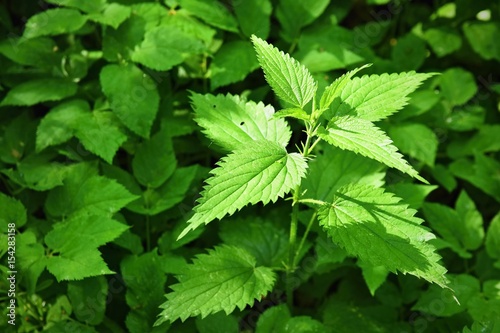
(148, 234)
(304, 237)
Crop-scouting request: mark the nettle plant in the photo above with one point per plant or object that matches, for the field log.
(336, 186)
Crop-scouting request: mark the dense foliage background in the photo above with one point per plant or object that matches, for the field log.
(96, 129)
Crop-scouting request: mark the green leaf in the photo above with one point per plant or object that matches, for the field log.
(76, 241)
(335, 168)
(294, 15)
(38, 91)
(335, 89)
(374, 276)
(232, 63)
(273, 319)
(416, 140)
(84, 192)
(54, 21)
(409, 53)
(145, 288)
(254, 17)
(154, 161)
(444, 177)
(493, 238)
(164, 47)
(261, 238)
(223, 279)
(486, 140)
(471, 230)
(211, 11)
(293, 113)
(217, 323)
(482, 173)
(457, 85)
(463, 288)
(12, 212)
(30, 256)
(37, 52)
(376, 97)
(260, 172)
(132, 95)
(38, 172)
(88, 299)
(89, 6)
(443, 40)
(233, 123)
(113, 15)
(290, 80)
(481, 36)
(362, 137)
(412, 194)
(380, 230)
(173, 191)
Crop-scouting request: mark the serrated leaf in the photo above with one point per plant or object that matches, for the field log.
(334, 168)
(211, 11)
(261, 238)
(145, 283)
(290, 80)
(335, 89)
(379, 229)
(416, 140)
(223, 279)
(76, 241)
(362, 137)
(88, 299)
(38, 91)
(84, 192)
(254, 17)
(376, 97)
(164, 47)
(232, 122)
(232, 63)
(54, 21)
(132, 95)
(260, 172)
(154, 161)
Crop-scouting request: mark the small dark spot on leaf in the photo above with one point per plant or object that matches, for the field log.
(242, 123)
(215, 106)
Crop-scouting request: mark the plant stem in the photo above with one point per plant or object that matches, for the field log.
(304, 237)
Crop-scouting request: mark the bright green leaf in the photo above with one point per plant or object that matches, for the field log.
(154, 161)
(482, 36)
(273, 319)
(335, 89)
(89, 6)
(376, 97)
(293, 113)
(164, 47)
(38, 52)
(493, 238)
(443, 40)
(38, 91)
(30, 256)
(380, 230)
(335, 168)
(294, 15)
(412, 194)
(471, 230)
(416, 140)
(262, 239)
(232, 122)
(54, 21)
(76, 241)
(223, 279)
(374, 276)
(133, 96)
(232, 63)
(260, 172)
(113, 15)
(12, 211)
(362, 137)
(444, 177)
(290, 80)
